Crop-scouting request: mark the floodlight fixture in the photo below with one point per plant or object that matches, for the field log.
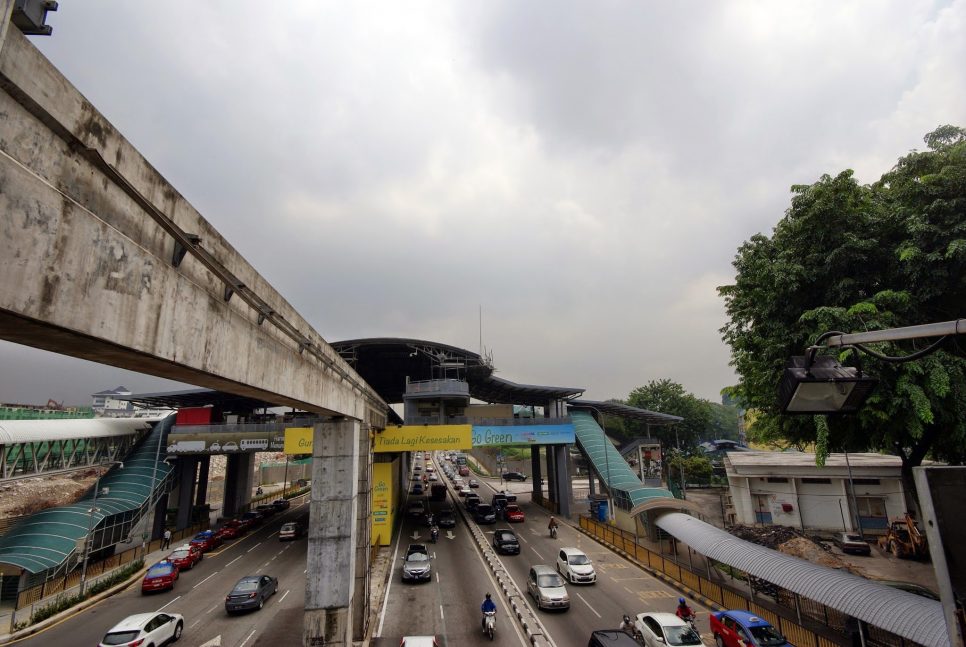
(820, 385)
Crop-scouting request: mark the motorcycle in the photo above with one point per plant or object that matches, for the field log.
(434, 534)
(553, 532)
(259, 491)
(490, 623)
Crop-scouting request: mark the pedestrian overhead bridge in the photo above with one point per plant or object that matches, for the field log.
(38, 447)
(52, 541)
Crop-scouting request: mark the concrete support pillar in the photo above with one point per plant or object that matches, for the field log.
(238, 484)
(551, 475)
(562, 477)
(536, 471)
(333, 534)
(590, 481)
(186, 490)
(360, 618)
(201, 497)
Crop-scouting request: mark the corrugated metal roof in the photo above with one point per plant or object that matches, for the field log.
(45, 540)
(626, 411)
(904, 614)
(30, 431)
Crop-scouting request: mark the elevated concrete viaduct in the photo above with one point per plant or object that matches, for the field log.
(102, 259)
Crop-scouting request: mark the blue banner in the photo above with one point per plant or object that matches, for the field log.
(492, 435)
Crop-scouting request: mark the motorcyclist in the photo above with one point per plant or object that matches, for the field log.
(552, 526)
(487, 606)
(434, 532)
(626, 624)
(684, 612)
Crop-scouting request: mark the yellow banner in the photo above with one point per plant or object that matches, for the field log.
(426, 438)
(382, 504)
(298, 440)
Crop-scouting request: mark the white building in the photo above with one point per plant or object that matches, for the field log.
(788, 489)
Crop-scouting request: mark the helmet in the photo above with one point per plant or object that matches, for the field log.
(681, 601)
(487, 596)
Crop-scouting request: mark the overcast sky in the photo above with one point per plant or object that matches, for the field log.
(583, 171)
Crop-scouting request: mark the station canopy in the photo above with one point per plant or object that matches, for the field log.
(386, 363)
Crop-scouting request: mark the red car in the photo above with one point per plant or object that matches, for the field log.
(206, 540)
(232, 529)
(185, 557)
(514, 513)
(160, 577)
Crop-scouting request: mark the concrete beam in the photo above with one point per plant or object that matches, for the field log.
(89, 251)
(333, 534)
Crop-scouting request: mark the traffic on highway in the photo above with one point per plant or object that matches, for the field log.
(243, 584)
(573, 585)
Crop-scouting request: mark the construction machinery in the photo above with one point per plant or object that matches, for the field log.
(905, 539)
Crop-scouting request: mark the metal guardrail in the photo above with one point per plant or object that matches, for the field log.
(792, 608)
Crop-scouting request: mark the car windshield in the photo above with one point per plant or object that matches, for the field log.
(767, 636)
(549, 580)
(120, 637)
(682, 635)
(246, 585)
(160, 569)
(505, 536)
(513, 508)
(578, 560)
(854, 538)
(288, 526)
(180, 554)
(417, 557)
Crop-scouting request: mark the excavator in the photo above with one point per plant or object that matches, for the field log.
(904, 539)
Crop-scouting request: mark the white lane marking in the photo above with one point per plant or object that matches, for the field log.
(233, 561)
(204, 580)
(437, 577)
(385, 598)
(535, 550)
(194, 623)
(441, 612)
(523, 539)
(253, 547)
(283, 595)
(169, 603)
(587, 603)
(247, 638)
(212, 608)
(305, 571)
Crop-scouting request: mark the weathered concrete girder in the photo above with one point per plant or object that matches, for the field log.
(101, 258)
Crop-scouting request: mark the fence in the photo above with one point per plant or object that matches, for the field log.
(790, 612)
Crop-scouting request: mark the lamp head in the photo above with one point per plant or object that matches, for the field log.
(822, 386)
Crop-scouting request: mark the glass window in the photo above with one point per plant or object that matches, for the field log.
(767, 636)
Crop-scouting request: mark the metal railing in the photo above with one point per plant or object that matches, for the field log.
(804, 622)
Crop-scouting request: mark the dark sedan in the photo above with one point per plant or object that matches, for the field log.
(504, 541)
(250, 592)
(484, 513)
(514, 476)
(446, 519)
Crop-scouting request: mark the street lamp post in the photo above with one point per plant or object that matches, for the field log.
(90, 524)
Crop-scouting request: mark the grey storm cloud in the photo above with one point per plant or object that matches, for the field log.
(583, 172)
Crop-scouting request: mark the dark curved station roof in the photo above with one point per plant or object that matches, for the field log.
(387, 362)
(198, 398)
(626, 411)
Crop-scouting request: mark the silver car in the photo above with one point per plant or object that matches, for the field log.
(547, 588)
(417, 568)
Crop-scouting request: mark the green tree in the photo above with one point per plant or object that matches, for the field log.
(665, 396)
(724, 422)
(854, 257)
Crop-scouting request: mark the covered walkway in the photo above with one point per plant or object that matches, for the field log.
(904, 614)
(52, 540)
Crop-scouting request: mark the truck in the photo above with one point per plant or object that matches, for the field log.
(437, 492)
(180, 446)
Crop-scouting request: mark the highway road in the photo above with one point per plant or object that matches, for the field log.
(448, 606)
(200, 593)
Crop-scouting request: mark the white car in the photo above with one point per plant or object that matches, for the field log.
(575, 566)
(145, 629)
(463, 491)
(665, 630)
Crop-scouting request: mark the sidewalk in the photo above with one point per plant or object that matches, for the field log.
(22, 614)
